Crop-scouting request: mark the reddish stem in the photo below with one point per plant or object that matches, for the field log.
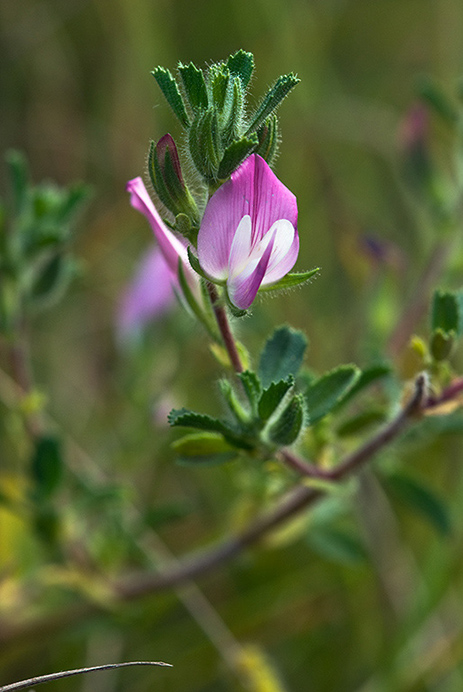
(224, 327)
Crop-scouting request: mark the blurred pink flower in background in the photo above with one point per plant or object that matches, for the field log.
(149, 295)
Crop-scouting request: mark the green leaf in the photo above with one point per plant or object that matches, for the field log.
(47, 523)
(290, 280)
(236, 312)
(268, 139)
(47, 467)
(233, 112)
(442, 343)
(202, 444)
(234, 404)
(235, 154)
(435, 97)
(241, 64)
(208, 459)
(328, 390)
(72, 202)
(156, 177)
(193, 304)
(204, 144)
(53, 278)
(282, 355)
(169, 88)
(194, 261)
(357, 424)
(272, 100)
(273, 396)
(201, 421)
(19, 177)
(420, 499)
(252, 387)
(195, 86)
(337, 546)
(367, 377)
(218, 79)
(285, 430)
(164, 514)
(459, 296)
(445, 312)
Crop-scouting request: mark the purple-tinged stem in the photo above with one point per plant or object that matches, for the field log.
(224, 327)
(355, 460)
(447, 394)
(191, 567)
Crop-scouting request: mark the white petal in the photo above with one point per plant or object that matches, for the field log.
(240, 250)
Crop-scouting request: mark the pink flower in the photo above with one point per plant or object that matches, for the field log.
(148, 296)
(156, 281)
(171, 247)
(248, 236)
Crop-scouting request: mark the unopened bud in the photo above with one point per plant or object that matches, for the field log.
(167, 178)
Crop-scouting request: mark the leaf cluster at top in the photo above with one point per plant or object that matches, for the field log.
(211, 107)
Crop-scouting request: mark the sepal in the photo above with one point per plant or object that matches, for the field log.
(285, 430)
(194, 85)
(235, 154)
(290, 280)
(268, 139)
(272, 100)
(241, 64)
(272, 397)
(169, 88)
(167, 179)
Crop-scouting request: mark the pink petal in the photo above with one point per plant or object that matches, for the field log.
(285, 252)
(171, 247)
(242, 288)
(253, 190)
(148, 296)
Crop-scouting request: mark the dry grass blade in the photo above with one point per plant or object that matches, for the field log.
(24, 684)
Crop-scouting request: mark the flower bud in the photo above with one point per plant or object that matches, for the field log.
(167, 179)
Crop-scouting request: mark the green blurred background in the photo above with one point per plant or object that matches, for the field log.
(77, 96)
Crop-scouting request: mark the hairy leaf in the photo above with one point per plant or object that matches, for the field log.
(242, 65)
(421, 499)
(328, 390)
(285, 430)
(282, 355)
(445, 314)
(169, 88)
(194, 85)
(272, 99)
(273, 396)
(201, 421)
(290, 280)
